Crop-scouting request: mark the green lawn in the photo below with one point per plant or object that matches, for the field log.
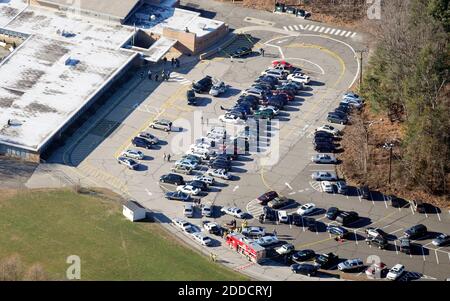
(48, 226)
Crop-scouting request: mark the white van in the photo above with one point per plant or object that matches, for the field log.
(188, 210)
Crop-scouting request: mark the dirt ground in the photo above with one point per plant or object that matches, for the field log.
(15, 173)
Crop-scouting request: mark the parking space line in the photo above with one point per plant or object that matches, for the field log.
(437, 212)
(423, 254)
(359, 196)
(437, 258)
(384, 199)
(370, 193)
(395, 244)
(412, 210)
(356, 236)
(395, 231)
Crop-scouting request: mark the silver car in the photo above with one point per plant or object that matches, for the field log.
(149, 137)
(218, 88)
(162, 124)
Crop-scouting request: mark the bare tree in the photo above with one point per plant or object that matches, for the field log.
(11, 269)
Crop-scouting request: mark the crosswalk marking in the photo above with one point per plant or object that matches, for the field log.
(328, 29)
(337, 32)
(177, 77)
(254, 208)
(322, 29)
(285, 27)
(332, 31)
(317, 28)
(295, 27)
(290, 27)
(343, 33)
(348, 34)
(353, 35)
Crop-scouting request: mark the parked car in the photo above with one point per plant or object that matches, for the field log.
(191, 98)
(202, 239)
(279, 202)
(326, 261)
(267, 197)
(327, 186)
(305, 269)
(198, 184)
(395, 272)
(267, 240)
(240, 52)
(141, 142)
(405, 245)
(364, 192)
(441, 240)
(149, 137)
(208, 210)
(303, 255)
(306, 209)
(203, 85)
(378, 241)
(376, 268)
(162, 124)
(128, 162)
(178, 196)
(325, 148)
(395, 202)
(337, 230)
(218, 88)
(182, 224)
(341, 187)
(263, 114)
(299, 77)
(233, 211)
(332, 213)
(329, 129)
(218, 173)
(416, 231)
(285, 249)
(212, 228)
(374, 232)
(189, 189)
(188, 210)
(172, 179)
(253, 231)
(182, 169)
(418, 206)
(186, 163)
(346, 218)
(230, 118)
(324, 158)
(334, 118)
(351, 265)
(324, 176)
(133, 154)
(205, 179)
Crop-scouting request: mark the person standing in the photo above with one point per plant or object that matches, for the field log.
(262, 51)
(165, 60)
(156, 77)
(150, 74)
(165, 157)
(168, 158)
(172, 62)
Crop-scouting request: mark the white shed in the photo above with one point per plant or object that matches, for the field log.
(134, 211)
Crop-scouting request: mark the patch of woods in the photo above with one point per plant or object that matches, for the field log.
(13, 269)
(407, 93)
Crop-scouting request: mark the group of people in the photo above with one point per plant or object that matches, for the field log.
(167, 157)
(165, 75)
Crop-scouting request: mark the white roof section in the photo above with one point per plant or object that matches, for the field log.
(38, 89)
(174, 18)
(114, 8)
(159, 49)
(9, 9)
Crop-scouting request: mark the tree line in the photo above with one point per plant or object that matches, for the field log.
(407, 78)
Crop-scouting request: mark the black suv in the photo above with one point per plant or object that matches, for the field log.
(416, 231)
(365, 192)
(172, 179)
(345, 218)
(332, 213)
(141, 142)
(191, 99)
(203, 85)
(327, 261)
(378, 241)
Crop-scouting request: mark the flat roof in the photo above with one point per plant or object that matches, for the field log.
(114, 8)
(174, 18)
(38, 90)
(9, 9)
(159, 49)
(134, 206)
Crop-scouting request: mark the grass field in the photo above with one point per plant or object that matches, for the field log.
(48, 226)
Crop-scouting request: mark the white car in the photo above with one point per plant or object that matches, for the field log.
(253, 231)
(210, 226)
(274, 72)
(267, 240)
(202, 154)
(202, 239)
(207, 210)
(327, 186)
(133, 154)
(227, 118)
(329, 129)
(206, 141)
(233, 211)
(324, 176)
(285, 249)
(283, 217)
(188, 189)
(205, 179)
(218, 173)
(351, 264)
(324, 158)
(201, 146)
(299, 77)
(306, 209)
(218, 88)
(182, 224)
(274, 110)
(396, 271)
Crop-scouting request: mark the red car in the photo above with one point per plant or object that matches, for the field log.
(282, 63)
(267, 197)
(290, 96)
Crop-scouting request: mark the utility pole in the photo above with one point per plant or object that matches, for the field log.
(389, 146)
(361, 53)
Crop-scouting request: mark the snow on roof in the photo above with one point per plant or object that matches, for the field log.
(38, 89)
(174, 18)
(9, 9)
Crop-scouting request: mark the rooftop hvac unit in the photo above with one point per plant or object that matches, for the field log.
(71, 62)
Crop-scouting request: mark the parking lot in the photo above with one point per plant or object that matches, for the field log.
(284, 165)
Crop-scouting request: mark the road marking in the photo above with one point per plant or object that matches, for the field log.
(289, 186)
(322, 29)
(235, 188)
(370, 193)
(412, 210)
(292, 193)
(384, 199)
(285, 27)
(437, 258)
(356, 237)
(395, 231)
(317, 28)
(348, 33)
(295, 27)
(396, 250)
(423, 254)
(353, 35)
(359, 196)
(148, 192)
(328, 29)
(337, 32)
(332, 31)
(437, 212)
(343, 33)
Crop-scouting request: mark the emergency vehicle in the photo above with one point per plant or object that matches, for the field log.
(251, 250)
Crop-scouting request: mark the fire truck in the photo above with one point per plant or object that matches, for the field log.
(251, 250)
